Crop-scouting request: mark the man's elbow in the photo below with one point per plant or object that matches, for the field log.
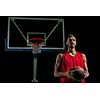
(55, 74)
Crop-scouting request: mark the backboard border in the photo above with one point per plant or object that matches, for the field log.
(8, 48)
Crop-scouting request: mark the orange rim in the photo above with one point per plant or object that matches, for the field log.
(36, 39)
(36, 42)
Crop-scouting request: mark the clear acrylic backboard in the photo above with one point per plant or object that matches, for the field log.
(20, 28)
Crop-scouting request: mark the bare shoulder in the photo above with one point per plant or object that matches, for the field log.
(60, 54)
(59, 57)
(84, 57)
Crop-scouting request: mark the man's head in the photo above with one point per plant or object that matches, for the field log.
(71, 41)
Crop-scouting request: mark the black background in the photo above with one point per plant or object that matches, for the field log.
(16, 67)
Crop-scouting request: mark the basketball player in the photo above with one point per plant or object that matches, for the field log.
(70, 59)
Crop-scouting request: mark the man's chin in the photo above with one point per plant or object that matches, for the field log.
(72, 46)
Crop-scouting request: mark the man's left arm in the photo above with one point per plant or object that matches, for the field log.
(85, 64)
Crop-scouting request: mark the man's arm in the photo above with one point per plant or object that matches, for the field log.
(57, 65)
(85, 64)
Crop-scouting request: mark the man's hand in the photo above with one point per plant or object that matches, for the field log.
(86, 74)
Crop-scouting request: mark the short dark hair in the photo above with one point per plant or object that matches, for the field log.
(70, 35)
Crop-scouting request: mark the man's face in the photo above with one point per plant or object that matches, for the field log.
(71, 42)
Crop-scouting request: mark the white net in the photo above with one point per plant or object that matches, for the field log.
(37, 48)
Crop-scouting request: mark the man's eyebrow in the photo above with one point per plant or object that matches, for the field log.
(72, 39)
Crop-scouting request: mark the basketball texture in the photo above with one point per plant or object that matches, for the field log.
(76, 73)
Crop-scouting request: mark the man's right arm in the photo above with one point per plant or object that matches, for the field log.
(57, 65)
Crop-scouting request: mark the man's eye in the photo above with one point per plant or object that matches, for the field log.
(72, 40)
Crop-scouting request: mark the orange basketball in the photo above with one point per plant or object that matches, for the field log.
(76, 73)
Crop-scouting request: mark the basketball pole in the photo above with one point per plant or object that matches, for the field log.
(34, 68)
(36, 50)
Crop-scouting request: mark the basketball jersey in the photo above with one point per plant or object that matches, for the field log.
(68, 62)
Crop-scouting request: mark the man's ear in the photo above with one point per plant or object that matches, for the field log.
(76, 42)
(66, 43)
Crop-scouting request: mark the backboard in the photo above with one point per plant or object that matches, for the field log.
(20, 29)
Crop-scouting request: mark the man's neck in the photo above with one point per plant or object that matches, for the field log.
(72, 51)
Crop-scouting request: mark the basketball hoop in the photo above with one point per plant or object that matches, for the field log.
(36, 44)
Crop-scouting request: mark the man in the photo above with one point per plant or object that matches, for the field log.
(70, 59)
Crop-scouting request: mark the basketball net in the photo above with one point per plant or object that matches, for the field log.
(36, 44)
